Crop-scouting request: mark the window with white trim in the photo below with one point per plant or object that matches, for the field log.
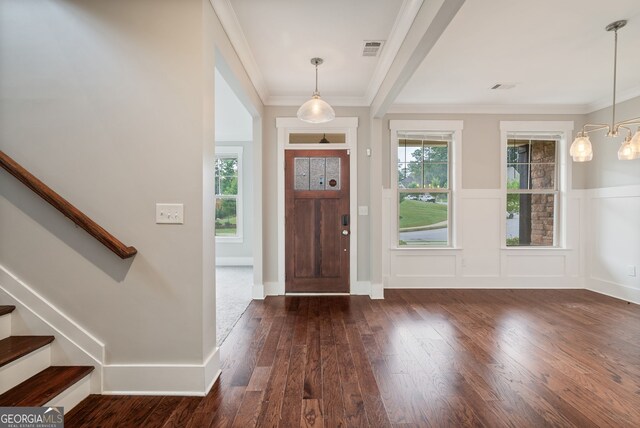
(533, 189)
(228, 189)
(424, 188)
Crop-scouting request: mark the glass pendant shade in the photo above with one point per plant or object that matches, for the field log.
(625, 152)
(316, 110)
(635, 142)
(581, 150)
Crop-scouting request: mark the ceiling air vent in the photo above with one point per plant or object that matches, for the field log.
(372, 47)
(504, 86)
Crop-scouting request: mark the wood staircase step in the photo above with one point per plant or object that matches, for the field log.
(14, 347)
(7, 309)
(44, 386)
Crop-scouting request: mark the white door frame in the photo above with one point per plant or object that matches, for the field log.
(348, 126)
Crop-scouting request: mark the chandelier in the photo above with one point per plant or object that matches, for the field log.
(581, 150)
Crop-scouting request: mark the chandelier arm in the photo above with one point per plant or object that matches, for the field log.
(635, 121)
(595, 127)
(621, 126)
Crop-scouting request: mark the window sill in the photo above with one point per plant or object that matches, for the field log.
(505, 248)
(425, 249)
(229, 240)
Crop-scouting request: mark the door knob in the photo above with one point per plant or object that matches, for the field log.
(345, 232)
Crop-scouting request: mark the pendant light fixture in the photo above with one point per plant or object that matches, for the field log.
(324, 139)
(581, 150)
(316, 110)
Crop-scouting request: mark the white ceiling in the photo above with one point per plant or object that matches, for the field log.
(283, 35)
(555, 51)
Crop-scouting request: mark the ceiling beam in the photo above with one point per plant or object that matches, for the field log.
(429, 24)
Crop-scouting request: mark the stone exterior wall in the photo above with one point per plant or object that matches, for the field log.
(543, 157)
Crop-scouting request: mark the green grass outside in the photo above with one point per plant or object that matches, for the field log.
(226, 226)
(419, 213)
(226, 232)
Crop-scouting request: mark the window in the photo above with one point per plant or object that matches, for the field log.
(228, 193)
(532, 186)
(424, 191)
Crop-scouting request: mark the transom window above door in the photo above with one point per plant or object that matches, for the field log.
(317, 138)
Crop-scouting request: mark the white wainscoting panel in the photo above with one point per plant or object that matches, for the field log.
(479, 258)
(407, 265)
(480, 242)
(614, 245)
(528, 265)
(481, 263)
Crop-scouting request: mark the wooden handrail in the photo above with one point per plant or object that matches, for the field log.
(62, 205)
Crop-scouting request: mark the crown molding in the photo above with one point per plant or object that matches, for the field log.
(488, 108)
(298, 100)
(231, 25)
(407, 14)
(621, 96)
(227, 16)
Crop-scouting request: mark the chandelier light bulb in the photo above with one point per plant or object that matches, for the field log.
(625, 152)
(635, 142)
(316, 110)
(581, 150)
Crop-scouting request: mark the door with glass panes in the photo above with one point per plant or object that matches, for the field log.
(317, 232)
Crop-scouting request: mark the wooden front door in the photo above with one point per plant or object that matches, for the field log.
(317, 221)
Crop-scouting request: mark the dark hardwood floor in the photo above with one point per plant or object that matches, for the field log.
(432, 358)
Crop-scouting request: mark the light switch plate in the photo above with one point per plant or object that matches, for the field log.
(169, 213)
(631, 270)
(363, 210)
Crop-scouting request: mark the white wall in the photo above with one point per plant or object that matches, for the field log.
(112, 105)
(233, 121)
(614, 209)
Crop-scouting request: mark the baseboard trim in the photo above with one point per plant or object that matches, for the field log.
(162, 379)
(315, 294)
(212, 369)
(234, 261)
(257, 292)
(613, 289)
(377, 292)
(488, 282)
(361, 288)
(273, 289)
